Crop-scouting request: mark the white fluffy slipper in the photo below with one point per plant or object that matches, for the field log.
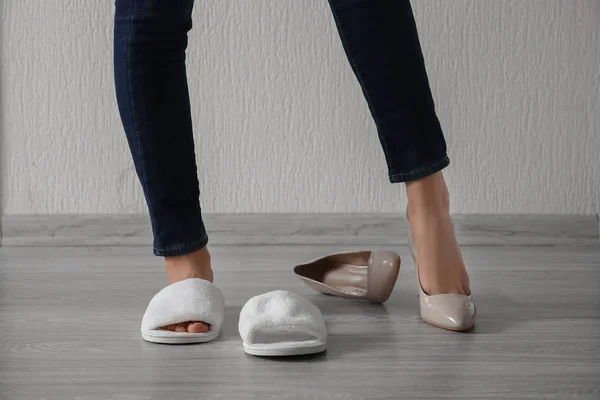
(188, 300)
(281, 323)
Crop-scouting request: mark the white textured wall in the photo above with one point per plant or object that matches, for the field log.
(280, 122)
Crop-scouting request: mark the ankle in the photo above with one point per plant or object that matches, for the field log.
(428, 196)
(192, 265)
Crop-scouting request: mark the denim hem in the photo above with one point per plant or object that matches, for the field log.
(421, 172)
(181, 250)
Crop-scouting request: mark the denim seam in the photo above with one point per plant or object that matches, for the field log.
(131, 107)
(441, 161)
(183, 246)
(346, 44)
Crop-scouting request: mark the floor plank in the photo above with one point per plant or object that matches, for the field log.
(308, 229)
(69, 329)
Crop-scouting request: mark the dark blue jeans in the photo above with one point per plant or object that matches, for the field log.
(150, 38)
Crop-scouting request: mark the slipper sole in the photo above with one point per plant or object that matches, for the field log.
(284, 351)
(179, 337)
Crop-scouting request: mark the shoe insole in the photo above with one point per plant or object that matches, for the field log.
(347, 278)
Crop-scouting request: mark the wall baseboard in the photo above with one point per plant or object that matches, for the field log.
(312, 229)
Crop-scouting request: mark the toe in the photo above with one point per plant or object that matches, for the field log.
(167, 328)
(198, 327)
(191, 327)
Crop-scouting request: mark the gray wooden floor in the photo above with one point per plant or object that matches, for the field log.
(69, 329)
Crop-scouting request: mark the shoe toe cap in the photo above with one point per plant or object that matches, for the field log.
(450, 311)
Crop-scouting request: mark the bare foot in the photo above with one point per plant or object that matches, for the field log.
(193, 265)
(441, 266)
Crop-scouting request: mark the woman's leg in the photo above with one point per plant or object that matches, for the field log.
(150, 38)
(381, 42)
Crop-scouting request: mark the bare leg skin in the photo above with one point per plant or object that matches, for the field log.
(193, 265)
(441, 266)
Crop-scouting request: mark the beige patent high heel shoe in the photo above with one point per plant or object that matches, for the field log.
(367, 275)
(455, 312)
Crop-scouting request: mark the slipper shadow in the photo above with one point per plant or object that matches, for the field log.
(229, 328)
(342, 316)
(307, 358)
(353, 325)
